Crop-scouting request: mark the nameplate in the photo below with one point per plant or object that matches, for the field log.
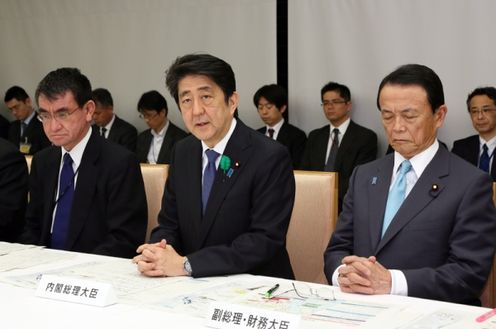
(234, 316)
(76, 290)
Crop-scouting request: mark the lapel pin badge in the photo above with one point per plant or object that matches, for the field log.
(374, 180)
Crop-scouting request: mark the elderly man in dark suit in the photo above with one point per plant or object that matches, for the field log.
(110, 126)
(86, 193)
(26, 132)
(479, 149)
(421, 221)
(13, 191)
(271, 102)
(155, 144)
(342, 144)
(230, 193)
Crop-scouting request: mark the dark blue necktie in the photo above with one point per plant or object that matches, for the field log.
(64, 204)
(484, 159)
(208, 176)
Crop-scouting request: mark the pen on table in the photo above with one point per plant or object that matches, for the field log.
(269, 292)
(486, 315)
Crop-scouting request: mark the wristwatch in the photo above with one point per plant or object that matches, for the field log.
(187, 266)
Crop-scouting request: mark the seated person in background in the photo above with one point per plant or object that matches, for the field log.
(479, 149)
(109, 125)
(4, 127)
(26, 132)
(342, 144)
(418, 222)
(230, 191)
(86, 193)
(13, 191)
(155, 144)
(271, 102)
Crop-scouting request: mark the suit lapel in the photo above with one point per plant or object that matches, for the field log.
(420, 196)
(378, 190)
(85, 188)
(239, 151)
(321, 147)
(283, 137)
(166, 144)
(194, 181)
(52, 178)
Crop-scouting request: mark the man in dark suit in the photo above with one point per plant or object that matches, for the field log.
(354, 144)
(479, 149)
(272, 102)
(4, 127)
(109, 125)
(421, 221)
(26, 132)
(230, 190)
(86, 193)
(155, 144)
(13, 191)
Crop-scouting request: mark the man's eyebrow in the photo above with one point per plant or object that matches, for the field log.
(64, 108)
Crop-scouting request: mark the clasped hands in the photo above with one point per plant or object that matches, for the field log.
(159, 259)
(364, 276)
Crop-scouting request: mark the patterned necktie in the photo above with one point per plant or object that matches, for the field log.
(102, 131)
(331, 159)
(64, 204)
(484, 159)
(271, 133)
(208, 176)
(396, 195)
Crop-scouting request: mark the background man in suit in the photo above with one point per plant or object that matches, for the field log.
(26, 132)
(109, 125)
(439, 242)
(13, 191)
(86, 193)
(479, 149)
(271, 102)
(352, 146)
(230, 190)
(155, 144)
(4, 127)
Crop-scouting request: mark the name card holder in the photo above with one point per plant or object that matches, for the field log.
(76, 290)
(234, 316)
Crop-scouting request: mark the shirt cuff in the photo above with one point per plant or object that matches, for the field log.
(335, 276)
(399, 286)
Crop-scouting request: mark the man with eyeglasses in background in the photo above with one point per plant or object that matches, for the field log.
(86, 193)
(271, 102)
(26, 132)
(341, 145)
(155, 144)
(479, 149)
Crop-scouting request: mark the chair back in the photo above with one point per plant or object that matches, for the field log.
(312, 222)
(154, 177)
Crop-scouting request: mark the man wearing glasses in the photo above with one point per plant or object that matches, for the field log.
(86, 193)
(155, 144)
(341, 145)
(479, 149)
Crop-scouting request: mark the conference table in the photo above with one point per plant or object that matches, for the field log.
(183, 302)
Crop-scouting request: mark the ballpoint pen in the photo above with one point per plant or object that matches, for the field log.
(269, 292)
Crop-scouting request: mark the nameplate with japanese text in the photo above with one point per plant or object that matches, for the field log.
(76, 290)
(234, 316)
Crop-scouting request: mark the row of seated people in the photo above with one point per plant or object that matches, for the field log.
(339, 146)
(230, 192)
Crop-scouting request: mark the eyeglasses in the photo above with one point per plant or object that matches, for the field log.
(333, 102)
(268, 106)
(59, 116)
(484, 111)
(146, 116)
(304, 291)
